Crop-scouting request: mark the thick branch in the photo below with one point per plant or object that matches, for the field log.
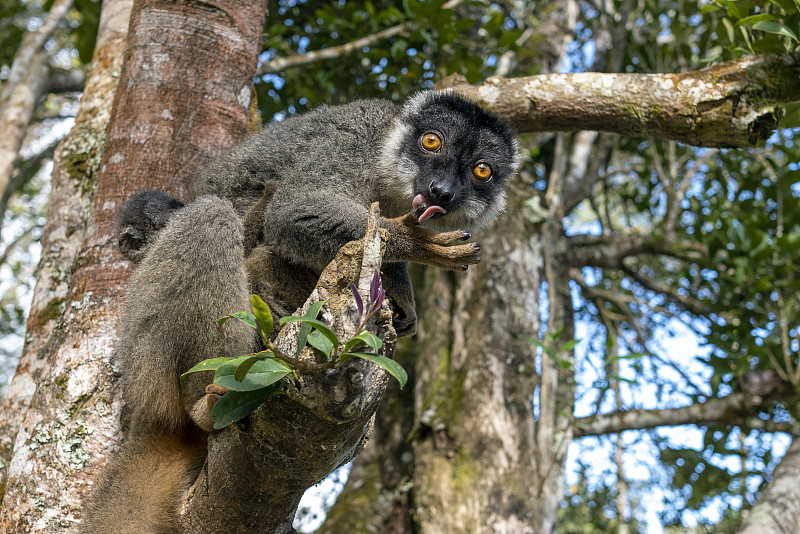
(31, 44)
(733, 104)
(16, 114)
(731, 410)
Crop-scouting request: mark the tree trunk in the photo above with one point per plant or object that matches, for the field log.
(158, 137)
(76, 165)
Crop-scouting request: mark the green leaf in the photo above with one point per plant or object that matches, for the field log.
(771, 44)
(364, 337)
(775, 27)
(245, 366)
(752, 19)
(319, 325)
(787, 5)
(263, 316)
(391, 366)
(729, 33)
(206, 365)
(236, 405)
(305, 329)
(569, 345)
(320, 342)
(261, 373)
(246, 317)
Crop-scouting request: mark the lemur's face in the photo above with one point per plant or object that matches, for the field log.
(455, 158)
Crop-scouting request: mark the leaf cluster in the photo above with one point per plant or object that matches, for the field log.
(253, 378)
(435, 41)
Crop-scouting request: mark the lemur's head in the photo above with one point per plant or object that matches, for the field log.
(450, 159)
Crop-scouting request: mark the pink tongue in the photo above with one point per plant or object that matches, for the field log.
(420, 200)
(430, 211)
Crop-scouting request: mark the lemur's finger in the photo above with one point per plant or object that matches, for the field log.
(445, 238)
(456, 257)
(409, 219)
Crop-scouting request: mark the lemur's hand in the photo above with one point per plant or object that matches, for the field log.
(410, 241)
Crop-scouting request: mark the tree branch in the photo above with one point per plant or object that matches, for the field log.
(735, 409)
(609, 251)
(733, 104)
(25, 171)
(31, 44)
(284, 63)
(689, 304)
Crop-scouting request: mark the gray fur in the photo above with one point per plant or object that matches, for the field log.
(191, 273)
(305, 184)
(330, 164)
(190, 276)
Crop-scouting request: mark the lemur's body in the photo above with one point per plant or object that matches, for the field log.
(302, 188)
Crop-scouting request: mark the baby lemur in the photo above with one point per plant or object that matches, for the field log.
(285, 200)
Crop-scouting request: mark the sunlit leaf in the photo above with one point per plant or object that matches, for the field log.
(261, 373)
(263, 316)
(775, 27)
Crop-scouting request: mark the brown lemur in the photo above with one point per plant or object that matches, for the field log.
(286, 199)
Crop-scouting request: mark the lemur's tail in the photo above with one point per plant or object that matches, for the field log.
(144, 486)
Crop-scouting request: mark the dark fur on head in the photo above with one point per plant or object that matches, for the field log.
(142, 217)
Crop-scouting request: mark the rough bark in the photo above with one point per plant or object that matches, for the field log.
(733, 104)
(65, 375)
(54, 310)
(378, 497)
(778, 509)
(474, 452)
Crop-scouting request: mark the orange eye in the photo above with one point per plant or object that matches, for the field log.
(482, 171)
(431, 142)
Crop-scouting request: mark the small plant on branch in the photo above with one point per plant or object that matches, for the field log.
(253, 378)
